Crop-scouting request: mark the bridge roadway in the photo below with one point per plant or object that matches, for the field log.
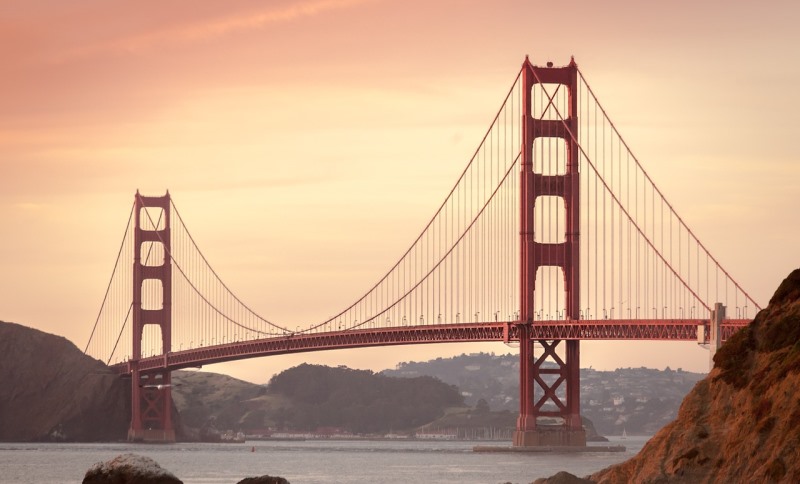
(604, 329)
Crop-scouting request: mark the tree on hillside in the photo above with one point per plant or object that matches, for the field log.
(360, 400)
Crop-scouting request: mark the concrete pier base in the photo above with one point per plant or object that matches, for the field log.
(152, 436)
(554, 435)
(551, 448)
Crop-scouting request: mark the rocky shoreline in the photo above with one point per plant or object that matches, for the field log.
(139, 469)
(739, 424)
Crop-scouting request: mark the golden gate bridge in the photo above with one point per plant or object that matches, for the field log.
(553, 233)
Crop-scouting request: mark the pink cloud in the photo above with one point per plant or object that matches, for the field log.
(202, 29)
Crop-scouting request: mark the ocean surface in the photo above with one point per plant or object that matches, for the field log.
(310, 461)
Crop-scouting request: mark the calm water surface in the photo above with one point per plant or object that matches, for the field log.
(308, 462)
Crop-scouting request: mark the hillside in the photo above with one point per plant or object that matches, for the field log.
(740, 424)
(308, 397)
(639, 400)
(210, 401)
(359, 400)
(50, 390)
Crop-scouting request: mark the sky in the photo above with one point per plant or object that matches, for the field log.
(307, 142)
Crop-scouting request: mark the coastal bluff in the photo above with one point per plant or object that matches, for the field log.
(51, 391)
(740, 424)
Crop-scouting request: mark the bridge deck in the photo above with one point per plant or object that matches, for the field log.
(605, 329)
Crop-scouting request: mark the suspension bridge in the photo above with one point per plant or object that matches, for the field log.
(553, 233)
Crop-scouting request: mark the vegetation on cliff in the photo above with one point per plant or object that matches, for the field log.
(359, 400)
(51, 391)
(211, 402)
(741, 423)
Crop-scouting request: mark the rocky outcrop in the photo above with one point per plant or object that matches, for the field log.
(52, 391)
(263, 480)
(741, 423)
(562, 478)
(129, 469)
(591, 432)
(139, 469)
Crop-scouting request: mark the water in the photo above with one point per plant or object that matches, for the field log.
(308, 462)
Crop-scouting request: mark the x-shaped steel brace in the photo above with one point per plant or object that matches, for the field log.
(550, 390)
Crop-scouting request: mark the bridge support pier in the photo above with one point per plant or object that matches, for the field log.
(550, 436)
(151, 419)
(714, 336)
(566, 428)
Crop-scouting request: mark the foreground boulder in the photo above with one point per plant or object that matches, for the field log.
(741, 423)
(129, 469)
(562, 478)
(263, 480)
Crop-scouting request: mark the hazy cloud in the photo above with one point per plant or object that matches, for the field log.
(210, 28)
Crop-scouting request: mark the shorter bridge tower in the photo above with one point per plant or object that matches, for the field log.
(151, 393)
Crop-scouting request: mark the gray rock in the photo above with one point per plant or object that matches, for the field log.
(562, 478)
(263, 480)
(129, 469)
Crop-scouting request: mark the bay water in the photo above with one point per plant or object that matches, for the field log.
(323, 461)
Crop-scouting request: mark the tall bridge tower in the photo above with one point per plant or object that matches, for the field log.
(151, 394)
(535, 254)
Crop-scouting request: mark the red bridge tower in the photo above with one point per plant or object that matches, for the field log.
(534, 255)
(151, 394)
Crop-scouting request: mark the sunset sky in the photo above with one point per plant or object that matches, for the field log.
(307, 142)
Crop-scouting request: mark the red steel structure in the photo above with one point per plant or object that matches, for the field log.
(151, 397)
(476, 273)
(534, 255)
(594, 330)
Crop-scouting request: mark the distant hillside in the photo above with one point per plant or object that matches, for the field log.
(50, 390)
(494, 378)
(308, 397)
(638, 400)
(360, 400)
(211, 402)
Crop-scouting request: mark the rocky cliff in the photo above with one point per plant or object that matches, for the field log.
(741, 423)
(50, 390)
